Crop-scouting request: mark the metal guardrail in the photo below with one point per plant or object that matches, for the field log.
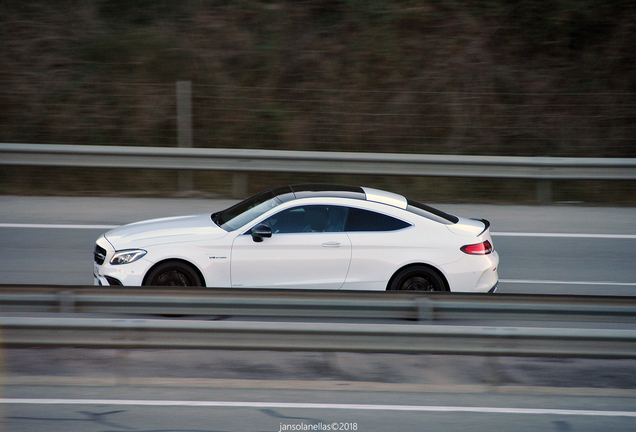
(317, 162)
(316, 304)
(406, 336)
(240, 160)
(413, 338)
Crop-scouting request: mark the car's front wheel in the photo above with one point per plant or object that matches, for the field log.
(417, 278)
(173, 273)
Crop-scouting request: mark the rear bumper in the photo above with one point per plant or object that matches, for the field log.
(474, 273)
(494, 288)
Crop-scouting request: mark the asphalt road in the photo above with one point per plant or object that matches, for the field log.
(222, 410)
(194, 391)
(543, 249)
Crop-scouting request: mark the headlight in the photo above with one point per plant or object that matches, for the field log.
(127, 256)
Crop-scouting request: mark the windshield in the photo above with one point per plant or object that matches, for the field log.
(246, 211)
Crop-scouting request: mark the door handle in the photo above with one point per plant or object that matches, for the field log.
(332, 244)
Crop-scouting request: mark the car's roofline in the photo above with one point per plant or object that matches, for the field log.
(311, 190)
(384, 197)
(308, 190)
(316, 190)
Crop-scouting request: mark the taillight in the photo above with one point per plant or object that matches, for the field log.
(483, 248)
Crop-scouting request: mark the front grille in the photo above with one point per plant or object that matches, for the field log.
(99, 254)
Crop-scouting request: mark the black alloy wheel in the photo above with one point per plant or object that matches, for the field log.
(417, 278)
(173, 273)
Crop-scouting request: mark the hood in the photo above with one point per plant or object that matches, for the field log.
(469, 227)
(162, 231)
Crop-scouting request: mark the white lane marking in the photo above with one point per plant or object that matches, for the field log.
(56, 226)
(555, 282)
(564, 235)
(366, 407)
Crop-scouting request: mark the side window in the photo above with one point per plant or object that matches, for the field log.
(307, 219)
(366, 220)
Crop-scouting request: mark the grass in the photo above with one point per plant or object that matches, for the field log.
(529, 78)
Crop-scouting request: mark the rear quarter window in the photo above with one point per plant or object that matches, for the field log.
(366, 220)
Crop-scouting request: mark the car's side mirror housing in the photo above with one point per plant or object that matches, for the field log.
(261, 231)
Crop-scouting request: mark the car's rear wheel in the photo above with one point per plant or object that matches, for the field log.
(173, 273)
(417, 278)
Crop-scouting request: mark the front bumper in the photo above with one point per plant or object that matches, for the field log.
(127, 274)
(99, 280)
(105, 280)
(106, 274)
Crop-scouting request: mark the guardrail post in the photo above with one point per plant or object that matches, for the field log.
(544, 191)
(184, 129)
(239, 184)
(424, 308)
(67, 301)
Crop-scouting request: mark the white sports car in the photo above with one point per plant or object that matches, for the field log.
(306, 236)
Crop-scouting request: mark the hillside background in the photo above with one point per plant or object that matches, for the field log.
(487, 77)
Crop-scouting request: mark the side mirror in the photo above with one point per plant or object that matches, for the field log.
(261, 231)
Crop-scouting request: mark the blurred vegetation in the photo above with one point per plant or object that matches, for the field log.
(488, 77)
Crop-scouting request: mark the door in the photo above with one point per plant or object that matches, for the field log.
(307, 249)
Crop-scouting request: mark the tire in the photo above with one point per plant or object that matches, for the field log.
(417, 278)
(173, 273)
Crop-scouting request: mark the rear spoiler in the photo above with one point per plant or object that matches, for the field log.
(486, 225)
